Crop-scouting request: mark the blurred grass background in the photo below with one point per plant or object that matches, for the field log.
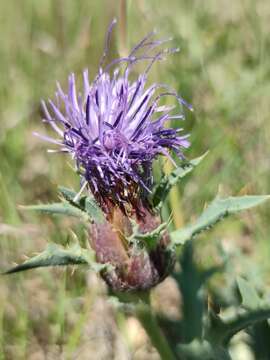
(223, 69)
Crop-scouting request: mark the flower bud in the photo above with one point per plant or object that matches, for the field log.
(133, 265)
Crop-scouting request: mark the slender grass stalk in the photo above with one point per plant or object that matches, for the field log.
(175, 200)
(2, 311)
(6, 202)
(60, 18)
(123, 28)
(74, 337)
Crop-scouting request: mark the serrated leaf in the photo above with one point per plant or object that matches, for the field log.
(250, 298)
(68, 194)
(163, 188)
(229, 325)
(85, 203)
(93, 210)
(54, 255)
(61, 208)
(149, 239)
(85, 207)
(216, 211)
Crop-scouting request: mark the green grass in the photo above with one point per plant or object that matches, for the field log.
(223, 69)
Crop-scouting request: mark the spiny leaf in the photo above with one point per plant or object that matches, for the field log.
(55, 255)
(84, 208)
(216, 211)
(85, 203)
(61, 208)
(149, 239)
(92, 209)
(68, 194)
(163, 188)
(250, 298)
(230, 325)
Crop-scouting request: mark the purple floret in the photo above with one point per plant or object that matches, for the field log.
(116, 127)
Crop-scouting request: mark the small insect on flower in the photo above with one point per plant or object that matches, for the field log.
(115, 127)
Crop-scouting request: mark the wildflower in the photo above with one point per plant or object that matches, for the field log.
(116, 128)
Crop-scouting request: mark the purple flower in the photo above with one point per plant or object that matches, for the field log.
(115, 128)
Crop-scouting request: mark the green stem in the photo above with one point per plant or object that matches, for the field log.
(150, 324)
(241, 321)
(222, 329)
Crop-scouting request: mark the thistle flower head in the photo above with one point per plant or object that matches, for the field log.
(115, 127)
(133, 266)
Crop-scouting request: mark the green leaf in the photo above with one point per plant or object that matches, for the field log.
(216, 211)
(250, 298)
(61, 208)
(201, 349)
(163, 188)
(149, 239)
(68, 194)
(54, 255)
(85, 203)
(90, 206)
(190, 281)
(84, 208)
(229, 325)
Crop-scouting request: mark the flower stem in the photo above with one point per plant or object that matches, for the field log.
(149, 322)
